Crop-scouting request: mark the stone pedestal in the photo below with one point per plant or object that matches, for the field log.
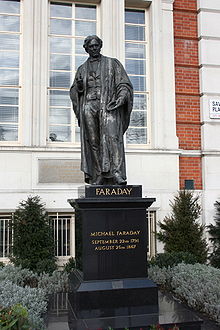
(113, 280)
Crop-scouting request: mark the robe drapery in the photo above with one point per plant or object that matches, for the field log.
(114, 83)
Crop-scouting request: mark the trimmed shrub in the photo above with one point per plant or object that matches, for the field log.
(33, 244)
(181, 232)
(171, 259)
(214, 231)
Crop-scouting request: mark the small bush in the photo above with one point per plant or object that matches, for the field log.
(214, 231)
(14, 318)
(170, 259)
(181, 231)
(33, 244)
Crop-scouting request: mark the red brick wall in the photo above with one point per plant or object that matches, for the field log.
(190, 169)
(187, 88)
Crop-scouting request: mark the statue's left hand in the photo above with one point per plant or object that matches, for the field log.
(113, 105)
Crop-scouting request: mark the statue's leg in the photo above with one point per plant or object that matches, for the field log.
(116, 147)
(91, 124)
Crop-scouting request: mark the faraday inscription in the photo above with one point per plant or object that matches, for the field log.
(115, 240)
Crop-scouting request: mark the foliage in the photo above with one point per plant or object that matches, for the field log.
(30, 289)
(50, 283)
(159, 327)
(34, 300)
(70, 265)
(214, 231)
(197, 285)
(180, 232)
(14, 318)
(33, 245)
(170, 259)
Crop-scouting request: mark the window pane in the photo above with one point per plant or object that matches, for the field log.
(9, 77)
(79, 46)
(134, 16)
(60, 62)
(139, 83)
(85, 12)
(8, 132)
(80, 60)
(61, 10)
(85, 28)
(10, 42)
(136, 136)
(140, 102)
(138, 118)
(60, 45)
(8, 114)
(135, 67)
(9, 23)
(60, 116)
(134, 33)
(12, 7)
(134, 50)
(59, 98)
(60, 26)
(63, 133)
(9, 59)
(60, 79)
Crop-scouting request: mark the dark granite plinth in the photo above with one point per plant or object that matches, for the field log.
(170, 313)
(104, 298)
(114, 238)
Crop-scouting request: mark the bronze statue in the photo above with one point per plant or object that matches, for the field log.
(102, 98)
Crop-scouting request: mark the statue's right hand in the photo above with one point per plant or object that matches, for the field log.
(79, 82)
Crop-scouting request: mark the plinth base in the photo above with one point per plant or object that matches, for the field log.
(115, 297)
(170, 313)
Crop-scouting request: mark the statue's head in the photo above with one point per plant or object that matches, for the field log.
(93, 45)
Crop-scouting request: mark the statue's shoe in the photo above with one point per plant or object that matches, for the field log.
(119, 180)
(99, 181)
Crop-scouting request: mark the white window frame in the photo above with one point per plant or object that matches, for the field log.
(56, 217)
(146, 42)
(71, 143)
(20, 84)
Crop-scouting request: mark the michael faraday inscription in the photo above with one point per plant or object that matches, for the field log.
(102, 98)
(115, 240)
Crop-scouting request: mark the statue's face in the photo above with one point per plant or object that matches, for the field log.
(94, 48)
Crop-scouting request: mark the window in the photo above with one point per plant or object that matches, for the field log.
(152, 230)
(10, 33)
(61, 228)
(69, 25)
(5, 236)
(136, 50)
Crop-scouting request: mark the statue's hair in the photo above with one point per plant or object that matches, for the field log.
(90, 38)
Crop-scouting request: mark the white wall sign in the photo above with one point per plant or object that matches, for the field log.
(214, 108)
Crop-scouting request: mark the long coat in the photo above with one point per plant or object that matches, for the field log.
(113, 124)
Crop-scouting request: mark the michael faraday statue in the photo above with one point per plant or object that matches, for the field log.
(102, 97)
